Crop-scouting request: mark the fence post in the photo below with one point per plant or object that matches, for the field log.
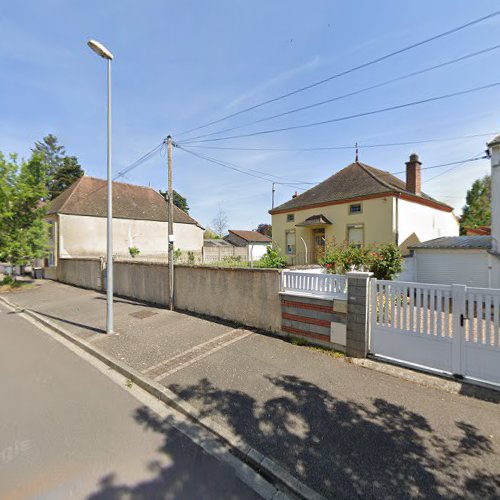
(358, 313)
(458, 295)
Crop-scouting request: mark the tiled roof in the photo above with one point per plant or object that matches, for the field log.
(251, 236)
(88, 196)
(357, 180)
(457, 242)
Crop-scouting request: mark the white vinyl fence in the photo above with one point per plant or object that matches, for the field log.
(448, 328)
(328, 285)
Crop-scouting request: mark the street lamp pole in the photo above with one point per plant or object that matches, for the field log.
(106, 54)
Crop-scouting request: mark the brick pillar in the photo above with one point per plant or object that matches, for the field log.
(358, 308)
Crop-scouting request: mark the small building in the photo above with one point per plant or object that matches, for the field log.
(255, 242)
(361, 205)
(463, 260)
(77, 219)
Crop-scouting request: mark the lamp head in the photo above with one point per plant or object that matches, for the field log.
(100, 49)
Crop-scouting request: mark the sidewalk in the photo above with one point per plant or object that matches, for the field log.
(341, 429)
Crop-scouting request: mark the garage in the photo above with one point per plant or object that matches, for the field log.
(454, 260)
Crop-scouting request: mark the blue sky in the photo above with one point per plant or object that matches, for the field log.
(181, 64)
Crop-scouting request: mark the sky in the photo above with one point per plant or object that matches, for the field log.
(179, 65)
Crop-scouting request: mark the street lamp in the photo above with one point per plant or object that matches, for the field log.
(102, 51)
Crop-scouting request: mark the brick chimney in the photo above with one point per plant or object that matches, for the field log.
(414, 174)
(295, 195)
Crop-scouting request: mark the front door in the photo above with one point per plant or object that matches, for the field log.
(319, 244)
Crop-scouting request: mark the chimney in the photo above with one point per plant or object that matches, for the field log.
(413, 174)
(294, 195)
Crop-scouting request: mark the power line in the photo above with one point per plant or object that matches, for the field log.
(139, 161)
(350, 117)
(457, 165)
(360, 146)
(249, 172)
(349, 94)
(348, 71)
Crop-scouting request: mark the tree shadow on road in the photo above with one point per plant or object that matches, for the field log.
(346, 449)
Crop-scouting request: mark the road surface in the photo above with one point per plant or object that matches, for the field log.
(69, 431)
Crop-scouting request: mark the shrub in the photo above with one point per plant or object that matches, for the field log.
(272, 258)
(7, 281)
(384, 261)
(177, 254)
(191, 258)
(134, 252)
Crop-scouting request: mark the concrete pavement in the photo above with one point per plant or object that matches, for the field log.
(68, 431)
(343, 430)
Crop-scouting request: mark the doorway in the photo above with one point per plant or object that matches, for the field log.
(319, 244)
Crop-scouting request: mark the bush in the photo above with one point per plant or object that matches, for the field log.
(134, 252)
(177, 254)
(191, 258)
(272, 259)
(384, 261)
(7, 281)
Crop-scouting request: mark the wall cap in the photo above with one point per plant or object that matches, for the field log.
(359, 274)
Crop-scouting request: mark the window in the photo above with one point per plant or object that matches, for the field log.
(355, 209)
(355, 235)
(290, 218)
(290, 242)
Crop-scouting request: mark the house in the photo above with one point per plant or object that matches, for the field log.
(77, 219)
(255, 242)
(362, 205)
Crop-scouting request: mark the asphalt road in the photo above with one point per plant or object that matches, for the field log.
(68, 431)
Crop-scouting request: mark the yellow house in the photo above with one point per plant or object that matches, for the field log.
(361, 205)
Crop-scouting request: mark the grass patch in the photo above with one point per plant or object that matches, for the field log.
(15, 286)
(323, 350)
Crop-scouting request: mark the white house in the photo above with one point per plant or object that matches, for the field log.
(78, 223)
(468, 260)
(255, 242)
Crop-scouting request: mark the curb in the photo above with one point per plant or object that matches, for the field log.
(263, 465)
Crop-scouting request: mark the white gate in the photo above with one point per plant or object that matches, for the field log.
(451, 329)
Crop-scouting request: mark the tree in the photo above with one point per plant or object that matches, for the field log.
(24, 234)
(179, 200)
(265, 229)
(210, 234)
(220, 222)
(62, 170)
(477, 209)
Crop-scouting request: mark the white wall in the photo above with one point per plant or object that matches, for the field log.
(448, 267)
(81, 236)
(257, 251)
(417, 223)
(495, 197)
(408, 272)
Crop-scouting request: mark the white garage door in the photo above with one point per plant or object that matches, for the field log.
(448, 267)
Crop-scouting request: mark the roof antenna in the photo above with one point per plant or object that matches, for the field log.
(357, 153)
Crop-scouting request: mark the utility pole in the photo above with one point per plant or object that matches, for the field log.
(273, 190)
(171, 237)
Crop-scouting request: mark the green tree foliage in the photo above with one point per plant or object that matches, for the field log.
(265, 229)
(23, 232)
(477, 209)
(210, 234)
(179, 200)
(62, 170)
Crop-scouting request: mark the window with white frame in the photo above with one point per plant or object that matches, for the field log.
(290, 242)
(355, 235)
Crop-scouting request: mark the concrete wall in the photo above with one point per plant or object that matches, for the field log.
(82, 236)
(419, 223)
(142, 281)
(85, 273)
(247, 296)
